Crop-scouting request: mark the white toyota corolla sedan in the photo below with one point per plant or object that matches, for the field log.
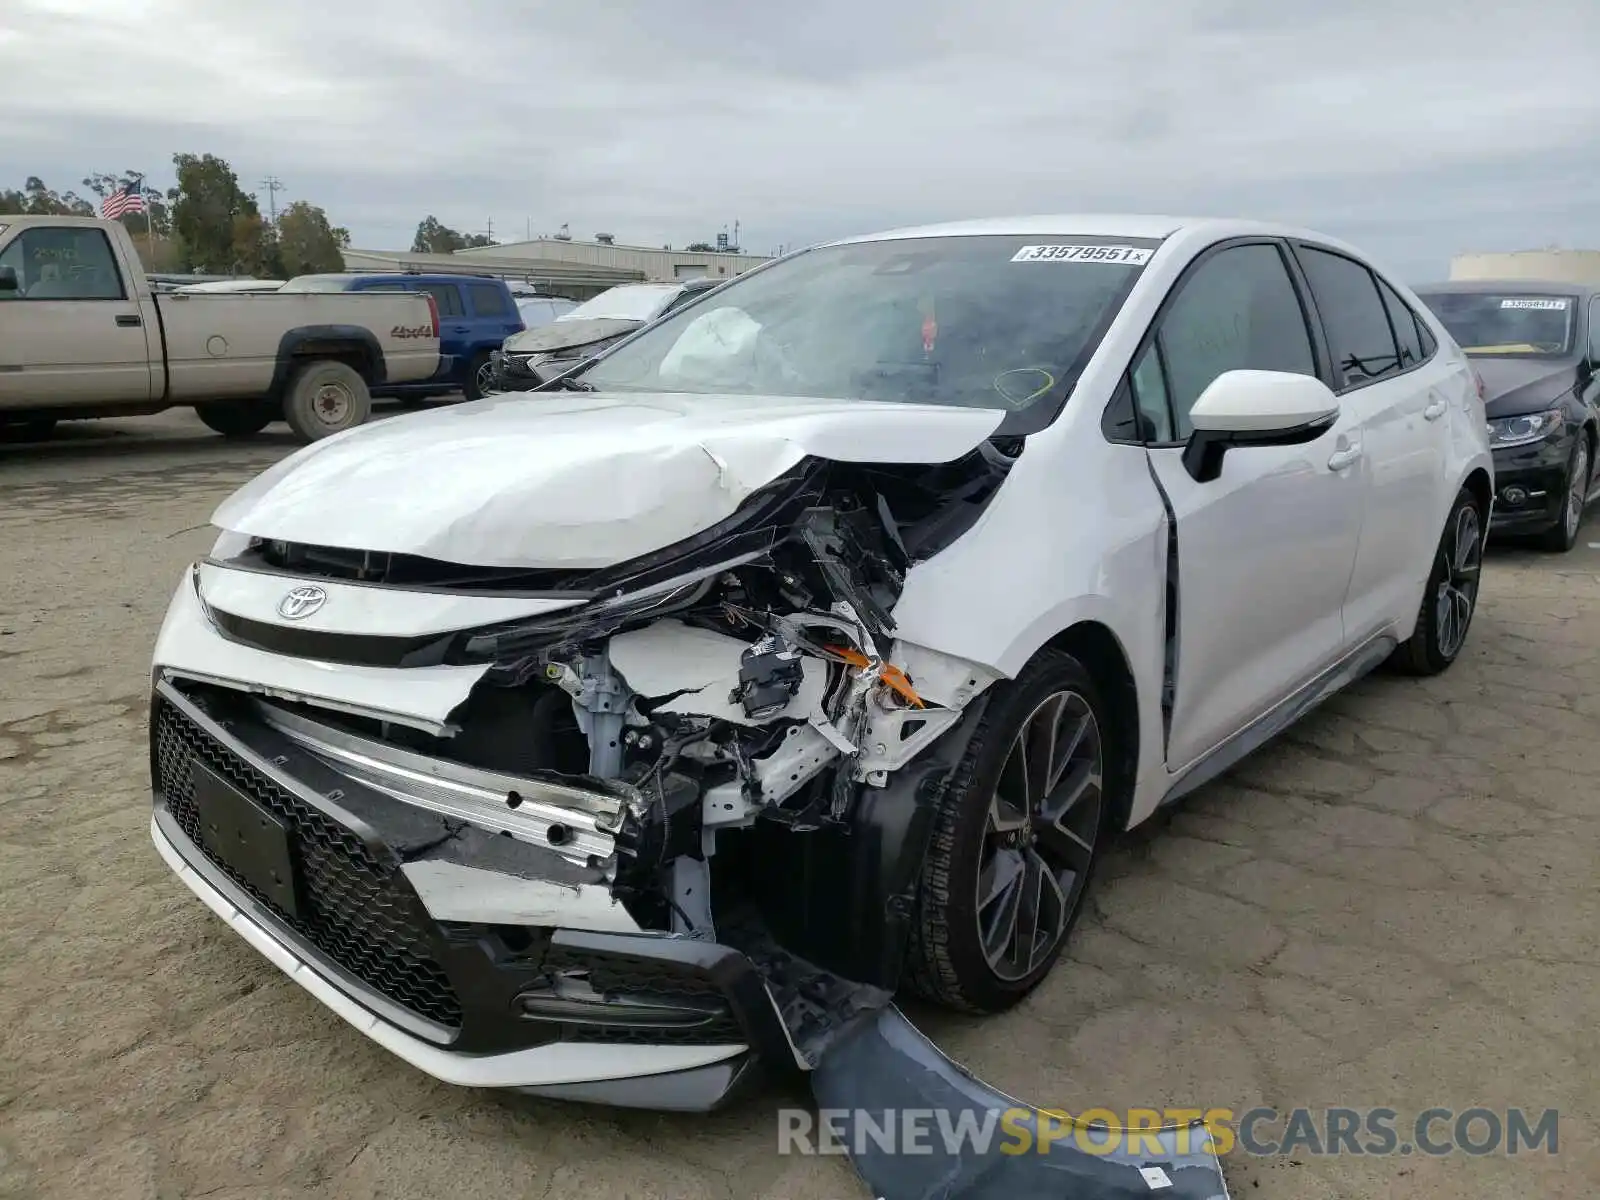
(607, 740)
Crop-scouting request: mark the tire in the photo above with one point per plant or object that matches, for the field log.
(1563, 535)
(325, 397)
(949, 963)
(480, 377)
(1451, 595)
(237, 420)
(28, 429)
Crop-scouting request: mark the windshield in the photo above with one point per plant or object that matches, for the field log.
(977, 322)
(631, 302)
(1506, 323)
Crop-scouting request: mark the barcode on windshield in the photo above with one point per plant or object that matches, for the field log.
(1132, 256)
(1543, 304)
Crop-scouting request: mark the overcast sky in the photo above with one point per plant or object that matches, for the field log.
(1417, 129)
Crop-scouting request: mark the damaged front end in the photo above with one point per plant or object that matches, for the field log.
(682, 805)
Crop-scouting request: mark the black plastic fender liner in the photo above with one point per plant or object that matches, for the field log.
(886, 1069)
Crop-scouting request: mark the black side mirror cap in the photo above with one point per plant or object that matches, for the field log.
(8, 280)
(1204, 451)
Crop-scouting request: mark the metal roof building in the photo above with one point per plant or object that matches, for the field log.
(655, 264)
(1553, 266)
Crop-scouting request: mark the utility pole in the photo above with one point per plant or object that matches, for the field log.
(489, 231)
(274, 185)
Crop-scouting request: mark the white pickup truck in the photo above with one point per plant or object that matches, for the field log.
(83, 334)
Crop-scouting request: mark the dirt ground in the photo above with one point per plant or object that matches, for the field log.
(1393, 906)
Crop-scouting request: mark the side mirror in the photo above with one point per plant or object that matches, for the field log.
(8, 280)
(1255, 408)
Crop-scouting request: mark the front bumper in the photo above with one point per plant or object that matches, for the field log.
(1530, 485)
(512, 374)
(449, 996)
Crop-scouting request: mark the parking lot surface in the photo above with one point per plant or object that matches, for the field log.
(1394, 905)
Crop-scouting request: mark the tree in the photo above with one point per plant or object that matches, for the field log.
(436, 238)
(35, 199)
(155, 221)
(218, 224)
(307, 243)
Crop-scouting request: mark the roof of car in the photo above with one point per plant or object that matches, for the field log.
(1129, 225)
(1540, 287)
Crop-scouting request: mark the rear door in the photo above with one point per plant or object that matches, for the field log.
(1399, 399)
(72, 333)
(455, 326)
(494, 315)
(1264, 550)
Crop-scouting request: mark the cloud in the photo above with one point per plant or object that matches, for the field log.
(1418, 130)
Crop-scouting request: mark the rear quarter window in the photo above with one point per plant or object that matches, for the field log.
(488, 300)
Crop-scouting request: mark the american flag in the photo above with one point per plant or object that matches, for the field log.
(129, 198)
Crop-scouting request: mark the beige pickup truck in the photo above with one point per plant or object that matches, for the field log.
(82, 334)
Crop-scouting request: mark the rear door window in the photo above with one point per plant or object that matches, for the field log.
(1404, 323)
(446, 295)
(488, 300)
(1354, 316)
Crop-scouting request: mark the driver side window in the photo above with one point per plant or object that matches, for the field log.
(1237, 311)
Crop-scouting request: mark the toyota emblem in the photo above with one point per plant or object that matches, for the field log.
(302, 602)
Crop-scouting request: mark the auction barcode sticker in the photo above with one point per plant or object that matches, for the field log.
(1133, 256)
(1545, 304)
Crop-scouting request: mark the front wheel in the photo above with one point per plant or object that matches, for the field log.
(325, 397)
(1451, 595)
(236, 420)
(1015, 841)
(1563, 535)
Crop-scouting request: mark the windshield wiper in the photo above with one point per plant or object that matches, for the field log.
(565, 383)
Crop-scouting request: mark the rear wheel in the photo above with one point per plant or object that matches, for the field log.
(480, 377)
(325, 397)
(1451, 595)
(1015, 841)
(29, 429)
(1563, 535)
(237, 420)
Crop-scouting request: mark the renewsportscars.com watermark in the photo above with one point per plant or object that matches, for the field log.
(1263, 1132)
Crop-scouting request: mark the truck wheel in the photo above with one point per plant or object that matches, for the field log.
(28, 429)
(325, 397)
(236, 420)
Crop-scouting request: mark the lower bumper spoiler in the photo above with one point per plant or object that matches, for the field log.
(885, 1070)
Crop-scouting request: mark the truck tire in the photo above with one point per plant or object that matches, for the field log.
(325, 397)
(28, 429)
(236, 420)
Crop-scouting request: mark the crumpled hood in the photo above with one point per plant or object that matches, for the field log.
(567, 335)
(571, 479)
(1518, 385)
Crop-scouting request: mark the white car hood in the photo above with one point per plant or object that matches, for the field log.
(572, 479)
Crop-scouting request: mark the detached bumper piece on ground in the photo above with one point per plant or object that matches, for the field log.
(884, 1068)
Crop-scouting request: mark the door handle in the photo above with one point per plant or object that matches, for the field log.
(1435, 410)
(1340, 459)
(129, 321)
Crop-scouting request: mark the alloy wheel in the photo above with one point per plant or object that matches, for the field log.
(1577, 491)
(1040, 837)
(485, 379)
(1462, 553)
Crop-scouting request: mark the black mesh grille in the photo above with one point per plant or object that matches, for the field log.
(356, 910)
(624, 977)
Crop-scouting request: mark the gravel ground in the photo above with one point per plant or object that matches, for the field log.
(1392, 906)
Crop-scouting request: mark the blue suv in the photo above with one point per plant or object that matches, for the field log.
(475, 316)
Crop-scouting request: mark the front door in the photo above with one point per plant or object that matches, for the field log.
(1266, 549)
(71, 332)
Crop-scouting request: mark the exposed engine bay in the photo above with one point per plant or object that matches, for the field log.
(724, 740)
